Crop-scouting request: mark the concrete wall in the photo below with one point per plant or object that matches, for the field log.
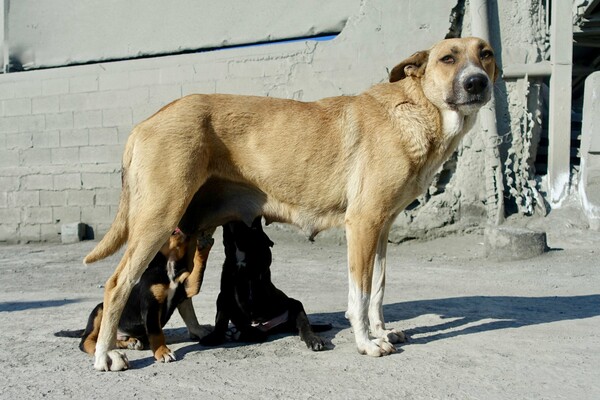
(62, 32)
(62, 130)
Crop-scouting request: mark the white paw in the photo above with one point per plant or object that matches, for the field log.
(112, 360)
(166, 357)
(376, 348)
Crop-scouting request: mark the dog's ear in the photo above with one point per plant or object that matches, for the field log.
(412, 66)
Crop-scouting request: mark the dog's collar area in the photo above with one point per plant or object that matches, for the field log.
(272, 323)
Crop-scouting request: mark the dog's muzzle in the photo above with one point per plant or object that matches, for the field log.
(476, 84)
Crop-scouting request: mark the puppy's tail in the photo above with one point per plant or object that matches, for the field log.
(117, 234)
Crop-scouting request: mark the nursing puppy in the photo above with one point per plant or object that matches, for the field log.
(357, 161)
(164, 285)
(249, 299)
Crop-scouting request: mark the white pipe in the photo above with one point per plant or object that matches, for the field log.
(514, 71)
(494, 183)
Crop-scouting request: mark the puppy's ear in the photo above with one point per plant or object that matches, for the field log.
(412, 66)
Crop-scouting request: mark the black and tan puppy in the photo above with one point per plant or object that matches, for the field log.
(167, 282)
(249, 299)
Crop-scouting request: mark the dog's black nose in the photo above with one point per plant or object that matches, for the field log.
(476, 84)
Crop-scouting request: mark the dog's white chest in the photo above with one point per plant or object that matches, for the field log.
(452, 123)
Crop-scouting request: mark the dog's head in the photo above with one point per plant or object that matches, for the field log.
(250, 248)
(455, 74)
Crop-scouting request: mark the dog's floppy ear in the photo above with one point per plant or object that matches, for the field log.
(412, 66)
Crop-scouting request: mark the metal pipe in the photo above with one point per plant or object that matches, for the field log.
(494, 183)
(516, 71)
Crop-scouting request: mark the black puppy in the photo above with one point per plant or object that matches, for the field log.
(249, 299)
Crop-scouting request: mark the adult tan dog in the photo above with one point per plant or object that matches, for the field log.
(357, 161)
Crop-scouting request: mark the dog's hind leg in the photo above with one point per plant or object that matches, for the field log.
(362, 235)
(376, 319)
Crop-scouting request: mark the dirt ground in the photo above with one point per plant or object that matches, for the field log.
(479, 328)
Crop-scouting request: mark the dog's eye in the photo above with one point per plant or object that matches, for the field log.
(447, 60)
(485, 54)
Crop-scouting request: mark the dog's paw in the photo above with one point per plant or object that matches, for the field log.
(376, 348)
(212, 339)
(394, 336)
(314, 343)
(112, 360)
(164, 355)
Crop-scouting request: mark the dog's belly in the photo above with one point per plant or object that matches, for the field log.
(220, 201)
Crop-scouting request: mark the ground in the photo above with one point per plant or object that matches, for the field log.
(479, 328)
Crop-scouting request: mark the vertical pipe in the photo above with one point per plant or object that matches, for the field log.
(559, 123)
(4, 34)
(494, 183)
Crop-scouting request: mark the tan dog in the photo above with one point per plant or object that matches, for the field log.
(352, 160)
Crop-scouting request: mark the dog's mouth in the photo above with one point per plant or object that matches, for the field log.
(469, 104)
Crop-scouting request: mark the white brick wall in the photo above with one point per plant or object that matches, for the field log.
(62, 130)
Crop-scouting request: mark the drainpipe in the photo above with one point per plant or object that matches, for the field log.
(494, 184)
(559, 69)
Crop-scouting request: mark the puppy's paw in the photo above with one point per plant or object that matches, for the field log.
(112, 360)
(314, 343)
(164, 355)
(394, 336)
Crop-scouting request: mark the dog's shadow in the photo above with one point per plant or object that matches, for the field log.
(459, 315)
(475, 314)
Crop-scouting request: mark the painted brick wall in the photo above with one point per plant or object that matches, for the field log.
(63, 130)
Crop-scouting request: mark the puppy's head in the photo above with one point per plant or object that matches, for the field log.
(455, 74)
(250, 247)
(175, 247)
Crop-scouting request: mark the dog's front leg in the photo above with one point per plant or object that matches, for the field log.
(362, 235)
(376, 318)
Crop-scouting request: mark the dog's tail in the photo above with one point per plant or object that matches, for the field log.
(117, 234)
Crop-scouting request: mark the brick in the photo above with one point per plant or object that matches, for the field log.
(107, 197)
(55, 86)
(37, 182)
(8, 232)
(63, 120)
(31, 123)
(29, 233)
(163, 94)
(24, 198)
(7, 90)
(44, 105)
(72, 233)
(10, 216)
(142, 112)
(95, 215)
(116, 117)
(3, 199)
(87, 119)
(210, 71)
(198, 87)
(178, 74)
(46, 139)
(49, 232)
(9, 124)
(19, 141)
(74, 102)
(74, 137)
(101, 136)
(50, 198)
(114, 81)
(80, 197)
(101, 154)
(29, 157)
(119, 98)
(37, 215)
(95, 180)
(124, 132)
(116, 180)
(67, 181)
(9, 183)
(15, 107)
(9, 158)
(241, 86)
(144, 78)
(79, 84)
(65, 155)
(66, 214)
(29, 88)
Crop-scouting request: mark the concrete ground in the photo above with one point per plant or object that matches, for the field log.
(479, 328)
